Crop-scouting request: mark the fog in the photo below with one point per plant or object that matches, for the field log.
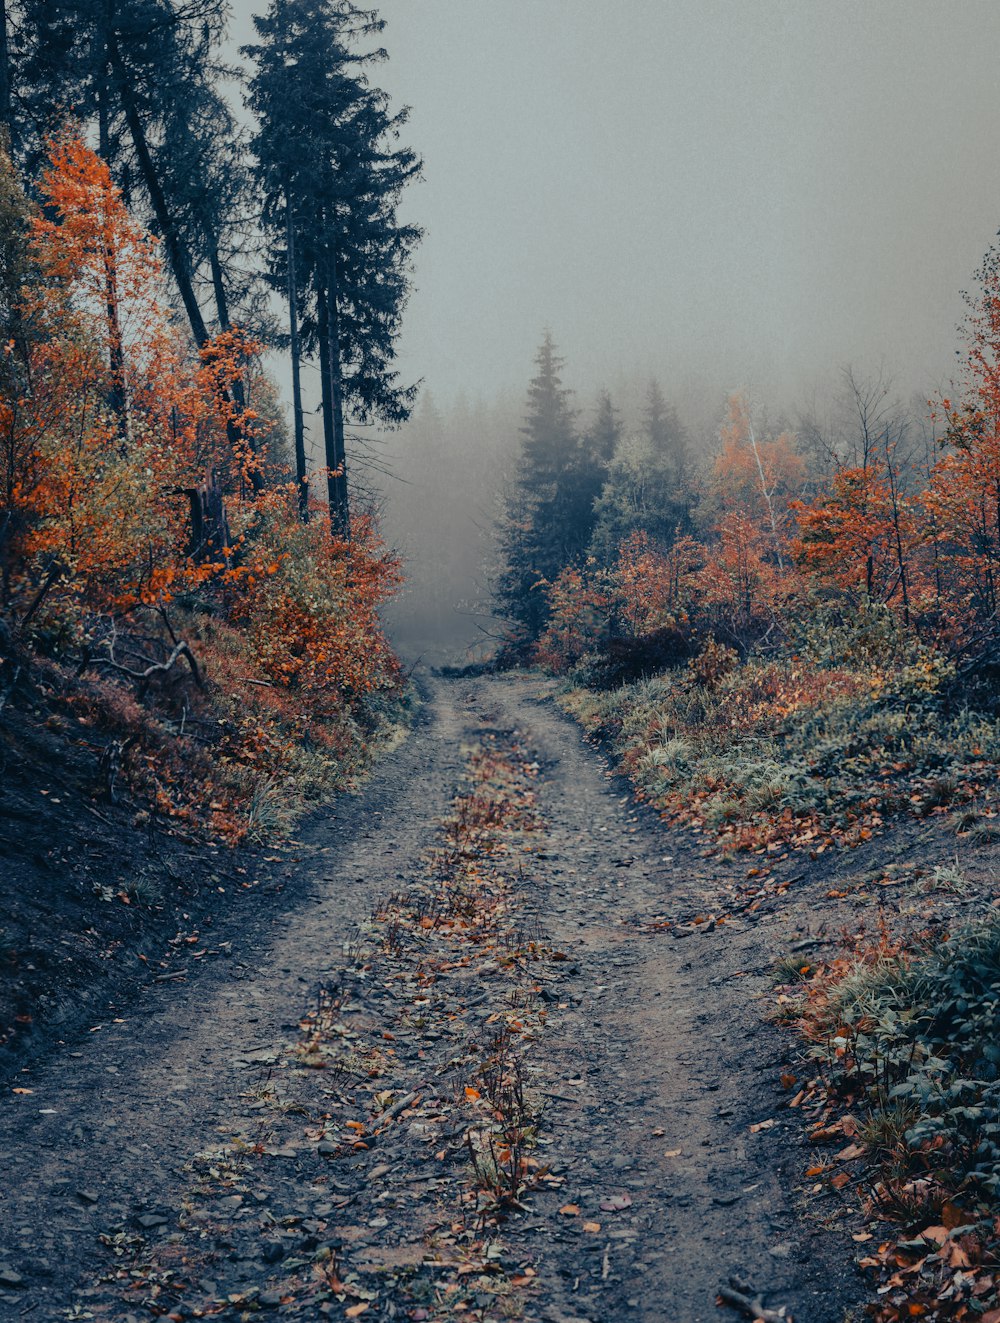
(715, 192)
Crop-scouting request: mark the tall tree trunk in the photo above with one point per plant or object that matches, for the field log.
(117, 399)
(176, 254)
(6, 119)
(118, 395)
(298, 421)
(333, 404)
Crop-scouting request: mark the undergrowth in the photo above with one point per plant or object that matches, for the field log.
(907, 1048)
(795, 751)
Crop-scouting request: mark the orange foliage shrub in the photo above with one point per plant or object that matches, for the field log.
(656, 588)
(111, 424)
(578, 620)
(308, 605)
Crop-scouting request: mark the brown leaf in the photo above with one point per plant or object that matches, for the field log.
(570, 1210)
(850, 1152)
(936, 1235)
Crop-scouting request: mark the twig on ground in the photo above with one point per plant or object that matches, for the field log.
(752, 1306)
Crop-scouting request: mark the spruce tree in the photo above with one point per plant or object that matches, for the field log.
(648, 486)
(549, 514)
(332, 176)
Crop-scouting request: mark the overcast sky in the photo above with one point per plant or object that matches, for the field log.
(750, 191)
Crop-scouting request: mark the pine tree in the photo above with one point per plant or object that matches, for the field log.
(648, 483)
(549, 515)
(332, 178)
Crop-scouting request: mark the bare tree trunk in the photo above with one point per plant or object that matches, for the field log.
(298, 421)
(235, 433)
(176, 255)
(6, 118)
(333, 406)
(765, 492)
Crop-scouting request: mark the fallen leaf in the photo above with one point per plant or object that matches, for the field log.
(592, 1226)
(850, 1152)
(356, 1310)
(570, 1210)
(616, 1203)
(937, 1235)
(22, 1090)
(672, 1153)
(763, 1125)
(473, 1094)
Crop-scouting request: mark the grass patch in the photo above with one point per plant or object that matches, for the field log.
(792, 752)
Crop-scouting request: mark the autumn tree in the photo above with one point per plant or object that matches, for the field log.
(963, 498)
(756, 475)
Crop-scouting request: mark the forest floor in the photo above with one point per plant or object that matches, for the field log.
(501, 1049)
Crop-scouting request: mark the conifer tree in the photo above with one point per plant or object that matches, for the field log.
(648, 483)
(332, 176)
(549, 516)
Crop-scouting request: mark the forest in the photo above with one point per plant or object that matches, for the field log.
(526, 851)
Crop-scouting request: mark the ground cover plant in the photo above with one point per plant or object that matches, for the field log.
(903, 1036)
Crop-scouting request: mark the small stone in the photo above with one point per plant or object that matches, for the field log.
(269, 1299)
(271, 1251)
(9, 1278)
(327, 1148)
(150, 1220)
(88, 1196)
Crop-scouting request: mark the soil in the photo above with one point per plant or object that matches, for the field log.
(199, 1149)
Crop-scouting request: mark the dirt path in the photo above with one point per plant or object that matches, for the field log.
(209, 1152)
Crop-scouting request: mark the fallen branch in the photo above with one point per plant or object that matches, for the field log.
(158, 668)
(752, 1306)
(55, 573)
(392, 1112)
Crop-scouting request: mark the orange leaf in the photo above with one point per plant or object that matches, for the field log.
(570, 1210)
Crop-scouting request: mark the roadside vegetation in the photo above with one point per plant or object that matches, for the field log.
(790, 650)
(191, 646)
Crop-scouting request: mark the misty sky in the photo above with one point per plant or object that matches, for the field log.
(746, 191)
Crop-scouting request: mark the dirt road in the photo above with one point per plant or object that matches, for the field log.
(208, 1152)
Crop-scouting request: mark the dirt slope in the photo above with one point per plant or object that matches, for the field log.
(193, 1135)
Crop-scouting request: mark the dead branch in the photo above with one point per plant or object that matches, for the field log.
(56, 572)
(752, 1306)
(157, 668)
(10, 688)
